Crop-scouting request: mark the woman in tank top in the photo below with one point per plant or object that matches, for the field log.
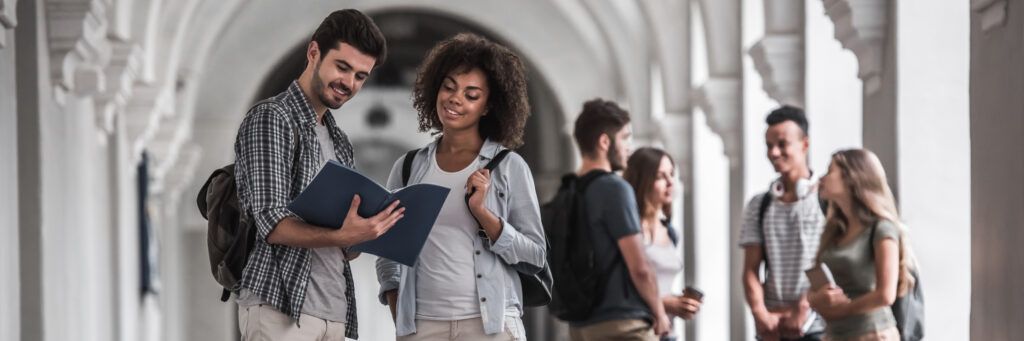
(651, 173)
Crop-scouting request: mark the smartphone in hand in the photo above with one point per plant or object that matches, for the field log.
(693, 293)
(820, 276)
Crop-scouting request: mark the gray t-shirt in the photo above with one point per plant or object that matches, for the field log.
(325, 292)
(853, 267)
(612, 214)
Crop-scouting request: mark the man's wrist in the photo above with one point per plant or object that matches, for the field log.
(759, 312)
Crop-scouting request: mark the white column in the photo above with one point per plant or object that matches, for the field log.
(30, 83)
(997, 162)
(10, 317)
(934, 154)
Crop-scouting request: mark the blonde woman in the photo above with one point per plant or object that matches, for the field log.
(864, 246)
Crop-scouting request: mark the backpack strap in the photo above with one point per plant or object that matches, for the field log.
(766, 200)
(407, 166)
(491, 165)
(671, 233)
(497, 159)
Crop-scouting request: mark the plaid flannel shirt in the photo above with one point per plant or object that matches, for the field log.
(269, 175)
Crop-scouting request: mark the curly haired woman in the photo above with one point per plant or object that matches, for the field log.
(471, 94)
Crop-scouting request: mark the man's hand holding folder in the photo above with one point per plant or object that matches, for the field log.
(384, 233)
(356, 230)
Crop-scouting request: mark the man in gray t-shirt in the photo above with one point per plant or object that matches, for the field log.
(629, 307)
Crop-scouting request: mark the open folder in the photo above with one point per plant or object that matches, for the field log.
(326, 201)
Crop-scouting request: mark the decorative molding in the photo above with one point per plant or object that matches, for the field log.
(79, 50)
(148, 107)
(860, 26)
(992, 12)
(8, 19)
(721, 99)
(677, 136)
(779, 58)
(120, 75)
(172, 181)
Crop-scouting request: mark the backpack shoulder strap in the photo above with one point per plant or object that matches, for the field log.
(671, 233)
(766, 200)
(497, 160)
(587, 179)
(407, 165)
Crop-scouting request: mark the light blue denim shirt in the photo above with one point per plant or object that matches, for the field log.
(520, 247)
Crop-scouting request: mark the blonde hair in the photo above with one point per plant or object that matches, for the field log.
(873, 201)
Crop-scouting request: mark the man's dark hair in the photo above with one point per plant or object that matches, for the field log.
(508, 105)
(598, 117)
(788, 113)
(354, 28)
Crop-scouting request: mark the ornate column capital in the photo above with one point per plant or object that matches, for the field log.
(79, 49)
(860, 26)
(120, 74)
(8, 19)
(721, 101)
(992, 12)
(779, 58)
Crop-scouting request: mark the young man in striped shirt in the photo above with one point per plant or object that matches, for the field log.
(782, 231)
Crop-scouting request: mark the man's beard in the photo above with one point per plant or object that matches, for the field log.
(319, 87)
(614, 159)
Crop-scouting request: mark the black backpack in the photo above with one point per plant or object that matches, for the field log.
(230, 233)
(579, 283)
(536, 287)
(909, 308)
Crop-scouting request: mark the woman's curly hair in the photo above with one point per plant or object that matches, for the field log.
(508, 104)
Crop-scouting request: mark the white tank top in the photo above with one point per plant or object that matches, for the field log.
(667, 261)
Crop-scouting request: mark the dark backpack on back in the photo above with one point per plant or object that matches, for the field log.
(579, 283)
(909, 308)
(230, 233)
(536, 287)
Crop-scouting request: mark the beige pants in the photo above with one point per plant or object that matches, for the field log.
(263, 322)
(626, 330)
(468, 330)
(891, 334)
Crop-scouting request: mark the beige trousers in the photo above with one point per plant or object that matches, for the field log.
(263, 322)
(625, 330)
(468, 330)
(890, 334)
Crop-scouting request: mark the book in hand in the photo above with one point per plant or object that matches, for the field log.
(325, 202)
(820, 276)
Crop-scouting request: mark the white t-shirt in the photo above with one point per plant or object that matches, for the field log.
(445, 275)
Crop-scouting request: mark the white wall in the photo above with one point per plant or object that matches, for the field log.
(934, 155)
(833, 91)
(10, 321)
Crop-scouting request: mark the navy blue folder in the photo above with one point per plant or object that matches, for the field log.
(326, 201)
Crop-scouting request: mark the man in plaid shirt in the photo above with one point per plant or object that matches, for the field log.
(298, 283)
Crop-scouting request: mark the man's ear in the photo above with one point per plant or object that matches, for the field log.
(312, 53)
(604, 142)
